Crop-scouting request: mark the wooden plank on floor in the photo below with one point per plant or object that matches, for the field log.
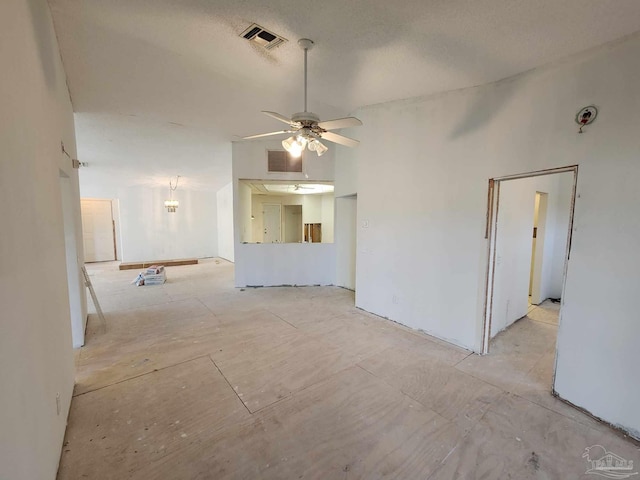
(166, 263)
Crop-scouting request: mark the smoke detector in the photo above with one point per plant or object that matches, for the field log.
(263, 37)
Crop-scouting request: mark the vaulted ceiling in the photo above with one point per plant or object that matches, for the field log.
(160, 87)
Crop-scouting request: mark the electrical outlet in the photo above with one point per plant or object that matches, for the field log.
(58, 402)
(395, 300)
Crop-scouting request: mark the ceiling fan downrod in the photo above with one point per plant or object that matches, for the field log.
(306, 45)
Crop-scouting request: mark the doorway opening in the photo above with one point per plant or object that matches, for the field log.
(313, 232)
(98, 230)
(529, 225)
(537, 248)
(293, 223)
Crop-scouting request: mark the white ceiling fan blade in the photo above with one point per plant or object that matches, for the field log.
(340, 123)
(268, 134)
(277, 116)
(342, 140)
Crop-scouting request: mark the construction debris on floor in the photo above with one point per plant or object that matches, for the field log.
(153, 275)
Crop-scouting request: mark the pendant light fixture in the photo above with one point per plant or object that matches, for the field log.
(171, 205)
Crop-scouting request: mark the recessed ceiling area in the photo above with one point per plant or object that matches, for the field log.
(264, 187)
(157, 83)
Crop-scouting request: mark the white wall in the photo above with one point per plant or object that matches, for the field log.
(283, 263)
(553, 268)
(346, 241)
(425, 244)
(273, 264)
(149, 232)
(36, 355)
(224, 202)
(513, 244)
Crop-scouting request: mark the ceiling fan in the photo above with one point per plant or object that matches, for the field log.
(306, 127)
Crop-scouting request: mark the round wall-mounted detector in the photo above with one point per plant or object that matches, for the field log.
(586, 116)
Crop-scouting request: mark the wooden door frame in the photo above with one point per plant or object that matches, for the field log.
(493, 205)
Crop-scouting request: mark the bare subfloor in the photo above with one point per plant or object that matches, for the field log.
(198, 380)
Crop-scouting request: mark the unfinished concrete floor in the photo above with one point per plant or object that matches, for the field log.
(198, 380)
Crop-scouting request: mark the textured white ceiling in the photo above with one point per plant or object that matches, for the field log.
(160, 82)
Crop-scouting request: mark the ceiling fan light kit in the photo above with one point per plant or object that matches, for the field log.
(295, 145)
(306, 127)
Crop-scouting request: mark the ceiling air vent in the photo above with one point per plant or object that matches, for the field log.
(282, 161)
(255, 33)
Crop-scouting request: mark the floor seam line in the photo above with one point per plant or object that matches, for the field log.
(542, 321)
(140, 375)
(205, 306)
(599, 422)
(142, 306)
(229, 383)
(292, 394)
(484, 380)
(462, 360)
(402, 392)
(276, 315)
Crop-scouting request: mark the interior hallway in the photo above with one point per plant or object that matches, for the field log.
(196, 379)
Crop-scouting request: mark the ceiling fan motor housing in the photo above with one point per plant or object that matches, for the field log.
(305, 43)
(308, 122)
(305, 118)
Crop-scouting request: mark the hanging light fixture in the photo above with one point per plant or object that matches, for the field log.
(316, 146)
(171, 205)
(295, 145)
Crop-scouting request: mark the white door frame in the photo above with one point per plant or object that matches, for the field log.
(493, 204)
(75, 282)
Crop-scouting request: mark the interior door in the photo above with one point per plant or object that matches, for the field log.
(97, 230)
(272, 223)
